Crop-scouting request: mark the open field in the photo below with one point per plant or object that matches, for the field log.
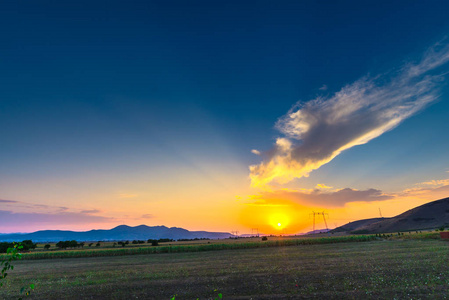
(176, 247)
(394, 268)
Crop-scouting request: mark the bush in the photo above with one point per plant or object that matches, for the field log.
(46, 247)
(154, 243)
(264, 238)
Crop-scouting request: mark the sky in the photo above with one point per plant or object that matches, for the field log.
(220, 115)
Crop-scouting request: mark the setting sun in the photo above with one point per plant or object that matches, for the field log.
(279, 221)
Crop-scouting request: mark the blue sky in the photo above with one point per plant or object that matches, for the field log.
(163, 98)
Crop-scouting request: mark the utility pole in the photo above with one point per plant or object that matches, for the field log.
(380, 213)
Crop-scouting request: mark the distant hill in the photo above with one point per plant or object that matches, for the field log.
(122, 232)
(428, 216)
(351, 226)
(316, 231)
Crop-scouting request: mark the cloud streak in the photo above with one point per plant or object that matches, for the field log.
(7, 201)
(316, 131)
(9, 217)
(318, 198)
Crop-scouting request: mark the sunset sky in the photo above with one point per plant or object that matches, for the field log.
(220, 115)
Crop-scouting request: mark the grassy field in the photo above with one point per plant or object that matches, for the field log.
(177, 247)
(399, 267)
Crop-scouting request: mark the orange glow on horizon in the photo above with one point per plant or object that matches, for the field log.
(286, 217)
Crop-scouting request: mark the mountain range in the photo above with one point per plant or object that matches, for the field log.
(122, 232)
(431, 215)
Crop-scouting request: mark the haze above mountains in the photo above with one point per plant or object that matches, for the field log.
(122, 232)
(428, 216)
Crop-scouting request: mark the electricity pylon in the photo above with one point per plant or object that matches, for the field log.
(255, 230)
(322, 213)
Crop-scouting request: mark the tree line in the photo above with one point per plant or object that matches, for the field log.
(29, 245)
(26, 245)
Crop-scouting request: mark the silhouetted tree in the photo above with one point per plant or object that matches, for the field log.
(73, 244)
(61, 245)
(28, 245)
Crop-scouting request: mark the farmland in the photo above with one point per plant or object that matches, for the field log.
(414, 266)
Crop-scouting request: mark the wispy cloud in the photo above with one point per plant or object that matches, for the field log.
(318, 130)
(432, 189)
(438, 182)
(90, 211)
(254, 151)
(31, 213)
(317, 197)
(147, 216)
(323, 88)
(322, 186)
(7, 201)
(66, 218)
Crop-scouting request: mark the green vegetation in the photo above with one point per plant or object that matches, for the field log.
(195, 247)
(395, 267)
(24, 246)
(12, 255)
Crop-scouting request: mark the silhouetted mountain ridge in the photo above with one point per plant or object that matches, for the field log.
(121, 232)
(431, 215)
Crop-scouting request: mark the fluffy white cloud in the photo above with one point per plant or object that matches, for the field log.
(318, 130)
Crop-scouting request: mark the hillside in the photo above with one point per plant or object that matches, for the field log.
(122, 232)
(351, 226)
(428, 216)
